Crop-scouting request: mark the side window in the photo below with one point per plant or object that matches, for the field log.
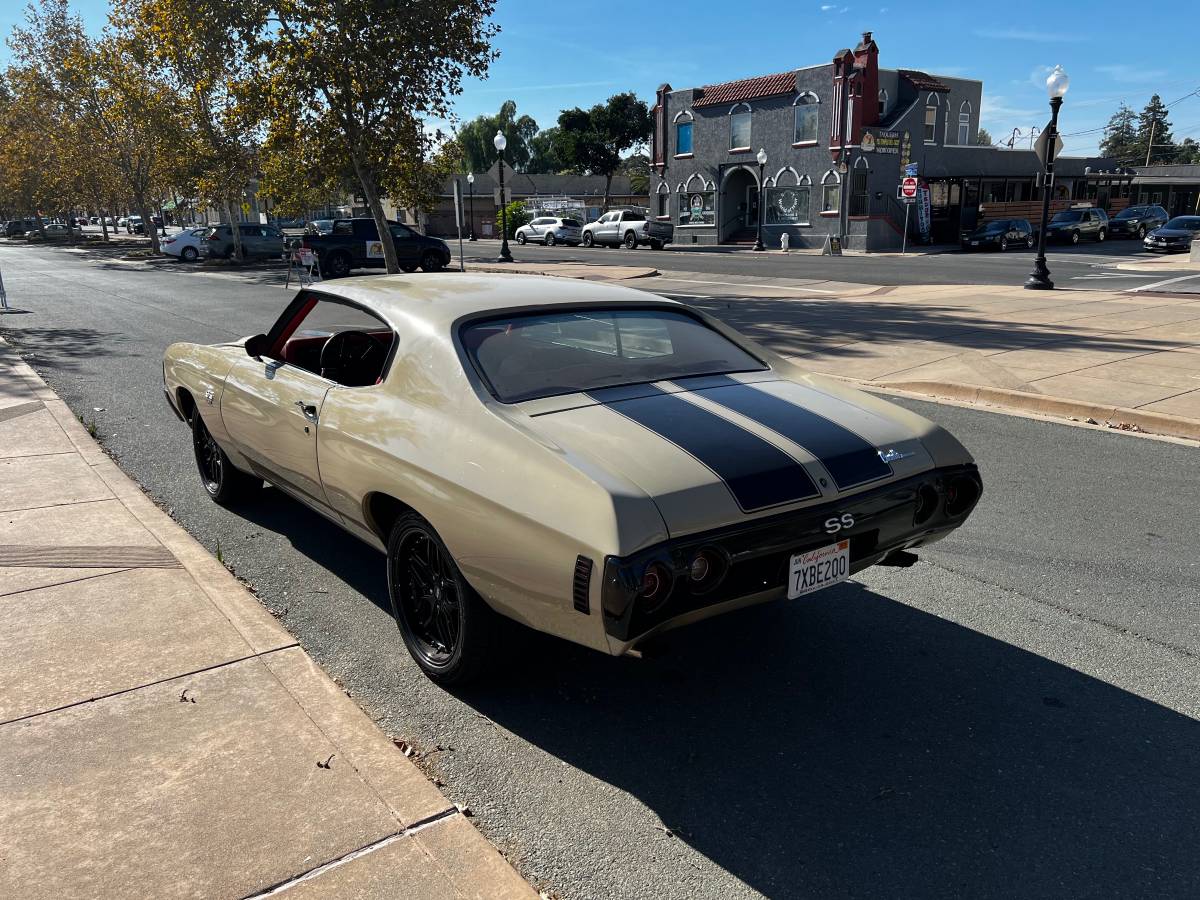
(400, 233)
(341, 342)
(343, 226)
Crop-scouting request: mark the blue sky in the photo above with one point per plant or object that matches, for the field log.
(561, 55)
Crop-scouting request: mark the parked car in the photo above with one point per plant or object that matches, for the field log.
(551, 230)
(187, 245)
(132, 223)
(258, 241)
(1176, 236)
(1074, 225)
(629, 227)
(140, 227)
(599, 463)
(18, 227)
(319, 226)
(59, 230)
(1000, 235)
(354, 244)
(1137, 221)
(108, 220)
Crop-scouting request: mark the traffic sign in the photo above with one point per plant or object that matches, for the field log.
(910, 170)
(908, 187)
(1043, 140)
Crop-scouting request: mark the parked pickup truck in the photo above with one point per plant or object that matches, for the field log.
(355, 244)
(630, 227)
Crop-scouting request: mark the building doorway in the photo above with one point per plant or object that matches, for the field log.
(738, 206)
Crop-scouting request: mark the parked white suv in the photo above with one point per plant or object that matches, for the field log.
(551, 230)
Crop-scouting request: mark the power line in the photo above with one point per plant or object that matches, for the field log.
(1194, 93)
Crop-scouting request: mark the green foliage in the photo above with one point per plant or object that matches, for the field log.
(516, 215)
(1120, 136)
(984, 138)
(1153, 127)
(544, 158)
(477, 136)
(592, 141)
(637, 168)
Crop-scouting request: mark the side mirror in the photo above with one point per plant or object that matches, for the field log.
(256, 346)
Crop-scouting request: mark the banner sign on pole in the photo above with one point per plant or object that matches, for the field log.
(924, 210)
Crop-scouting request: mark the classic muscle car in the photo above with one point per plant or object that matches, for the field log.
(593, 461)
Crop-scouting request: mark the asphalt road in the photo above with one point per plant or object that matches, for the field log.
(1089, 266)
(1014, 716)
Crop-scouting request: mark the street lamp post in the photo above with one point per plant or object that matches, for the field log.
(762, 164)
(505, 254)
(1056, 86)
(471, 187)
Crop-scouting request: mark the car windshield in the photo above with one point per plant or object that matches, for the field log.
(992, 228)
(1067, 215)
(1185, 223)
(1134, 212)
(524, 357)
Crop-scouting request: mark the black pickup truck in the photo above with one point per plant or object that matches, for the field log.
(355, 244)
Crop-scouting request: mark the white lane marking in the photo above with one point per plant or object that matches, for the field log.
(1112, 275)
(1158, 284)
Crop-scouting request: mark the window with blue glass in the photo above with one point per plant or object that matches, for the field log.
(683, 137)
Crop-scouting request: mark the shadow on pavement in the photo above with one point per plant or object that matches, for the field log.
(851, 745)
(61, 349)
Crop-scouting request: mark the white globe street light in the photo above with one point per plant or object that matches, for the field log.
(1056, 86)
(505, 254)
(762, 164)
(1057, 83)
(500, 141)
(471, 187)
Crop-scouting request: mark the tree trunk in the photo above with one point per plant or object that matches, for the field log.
(103, 222)
(148, 226)
(607, 190)
(366, 179)
(235, 229)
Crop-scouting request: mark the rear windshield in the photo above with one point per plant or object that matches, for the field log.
(1185, 223)
(572, 223)
(634, 217)
(1133, 212)
(543, 355)
(1068, 215)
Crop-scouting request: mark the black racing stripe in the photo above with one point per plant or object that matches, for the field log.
(757, 473)
(849, 458)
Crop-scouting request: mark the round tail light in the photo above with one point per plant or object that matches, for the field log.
(656, 587)
(706, 570)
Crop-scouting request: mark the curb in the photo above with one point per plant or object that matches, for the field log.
(506, 270)
(1118, 417)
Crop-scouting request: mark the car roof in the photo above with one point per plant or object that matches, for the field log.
(441, 298)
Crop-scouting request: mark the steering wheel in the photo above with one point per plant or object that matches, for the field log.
(352, 358)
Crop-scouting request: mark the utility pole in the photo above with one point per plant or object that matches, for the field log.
(1150, 145)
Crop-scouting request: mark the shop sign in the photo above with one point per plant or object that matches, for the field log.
(868, 142)
(883, 142)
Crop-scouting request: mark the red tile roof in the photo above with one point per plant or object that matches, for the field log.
(746, 89)
(923, 82)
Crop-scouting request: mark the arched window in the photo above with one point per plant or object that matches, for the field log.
(831, 192)
(739, 127)
(788, 198)
(663, 200)
(859, 203)
(931, 110)
(697, 201)
(806, 118)
(883, 100)
(964, 123)
(683, 133)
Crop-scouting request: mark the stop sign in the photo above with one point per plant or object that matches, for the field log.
(908, 187)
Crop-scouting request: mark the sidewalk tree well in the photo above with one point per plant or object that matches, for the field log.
(592, 141)
(360, 77)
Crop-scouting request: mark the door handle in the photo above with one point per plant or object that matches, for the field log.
(309, 410)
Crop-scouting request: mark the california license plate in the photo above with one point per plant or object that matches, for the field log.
(974, 243)
(818, 569)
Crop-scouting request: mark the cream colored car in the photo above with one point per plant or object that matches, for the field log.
(593, 461)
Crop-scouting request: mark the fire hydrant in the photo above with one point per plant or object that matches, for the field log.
(783, 242)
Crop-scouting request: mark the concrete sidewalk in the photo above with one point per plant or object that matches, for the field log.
(161, 734)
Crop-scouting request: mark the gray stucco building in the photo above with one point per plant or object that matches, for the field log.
(837, 137)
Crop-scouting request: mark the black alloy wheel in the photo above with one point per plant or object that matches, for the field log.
(1030, 242)
(222, 482)
(448, 629)
(1074, 237)
(431, 261)
(1141, 232)
(588, 240)
(1003, 244)
(338, 266)
(630, 241)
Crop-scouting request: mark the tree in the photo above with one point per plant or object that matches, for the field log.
(1189, 152)
(1154, 140)
(204, 49)
(544, 159)
(637, 169)
(984, 138)
(1120, 136)
(477, 136)
(359, 77)
(516, 214)
(592, 141)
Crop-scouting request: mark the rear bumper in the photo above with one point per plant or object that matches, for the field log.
(756, 555)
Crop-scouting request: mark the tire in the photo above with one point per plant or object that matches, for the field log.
(1074, 237)
(549, 238)
(656, 245)
(337, 266)
(1101, 235)
(521, 238)
(631, 241)
(448, 629)
(224, 484)
(588, 240)
(189, 254)
(228, 254)
(1141, 232)
(1003, 244)
(408, 267)
(431, 261)
(1030, 242)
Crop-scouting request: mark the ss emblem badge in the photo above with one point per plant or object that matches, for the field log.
(839, 523)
